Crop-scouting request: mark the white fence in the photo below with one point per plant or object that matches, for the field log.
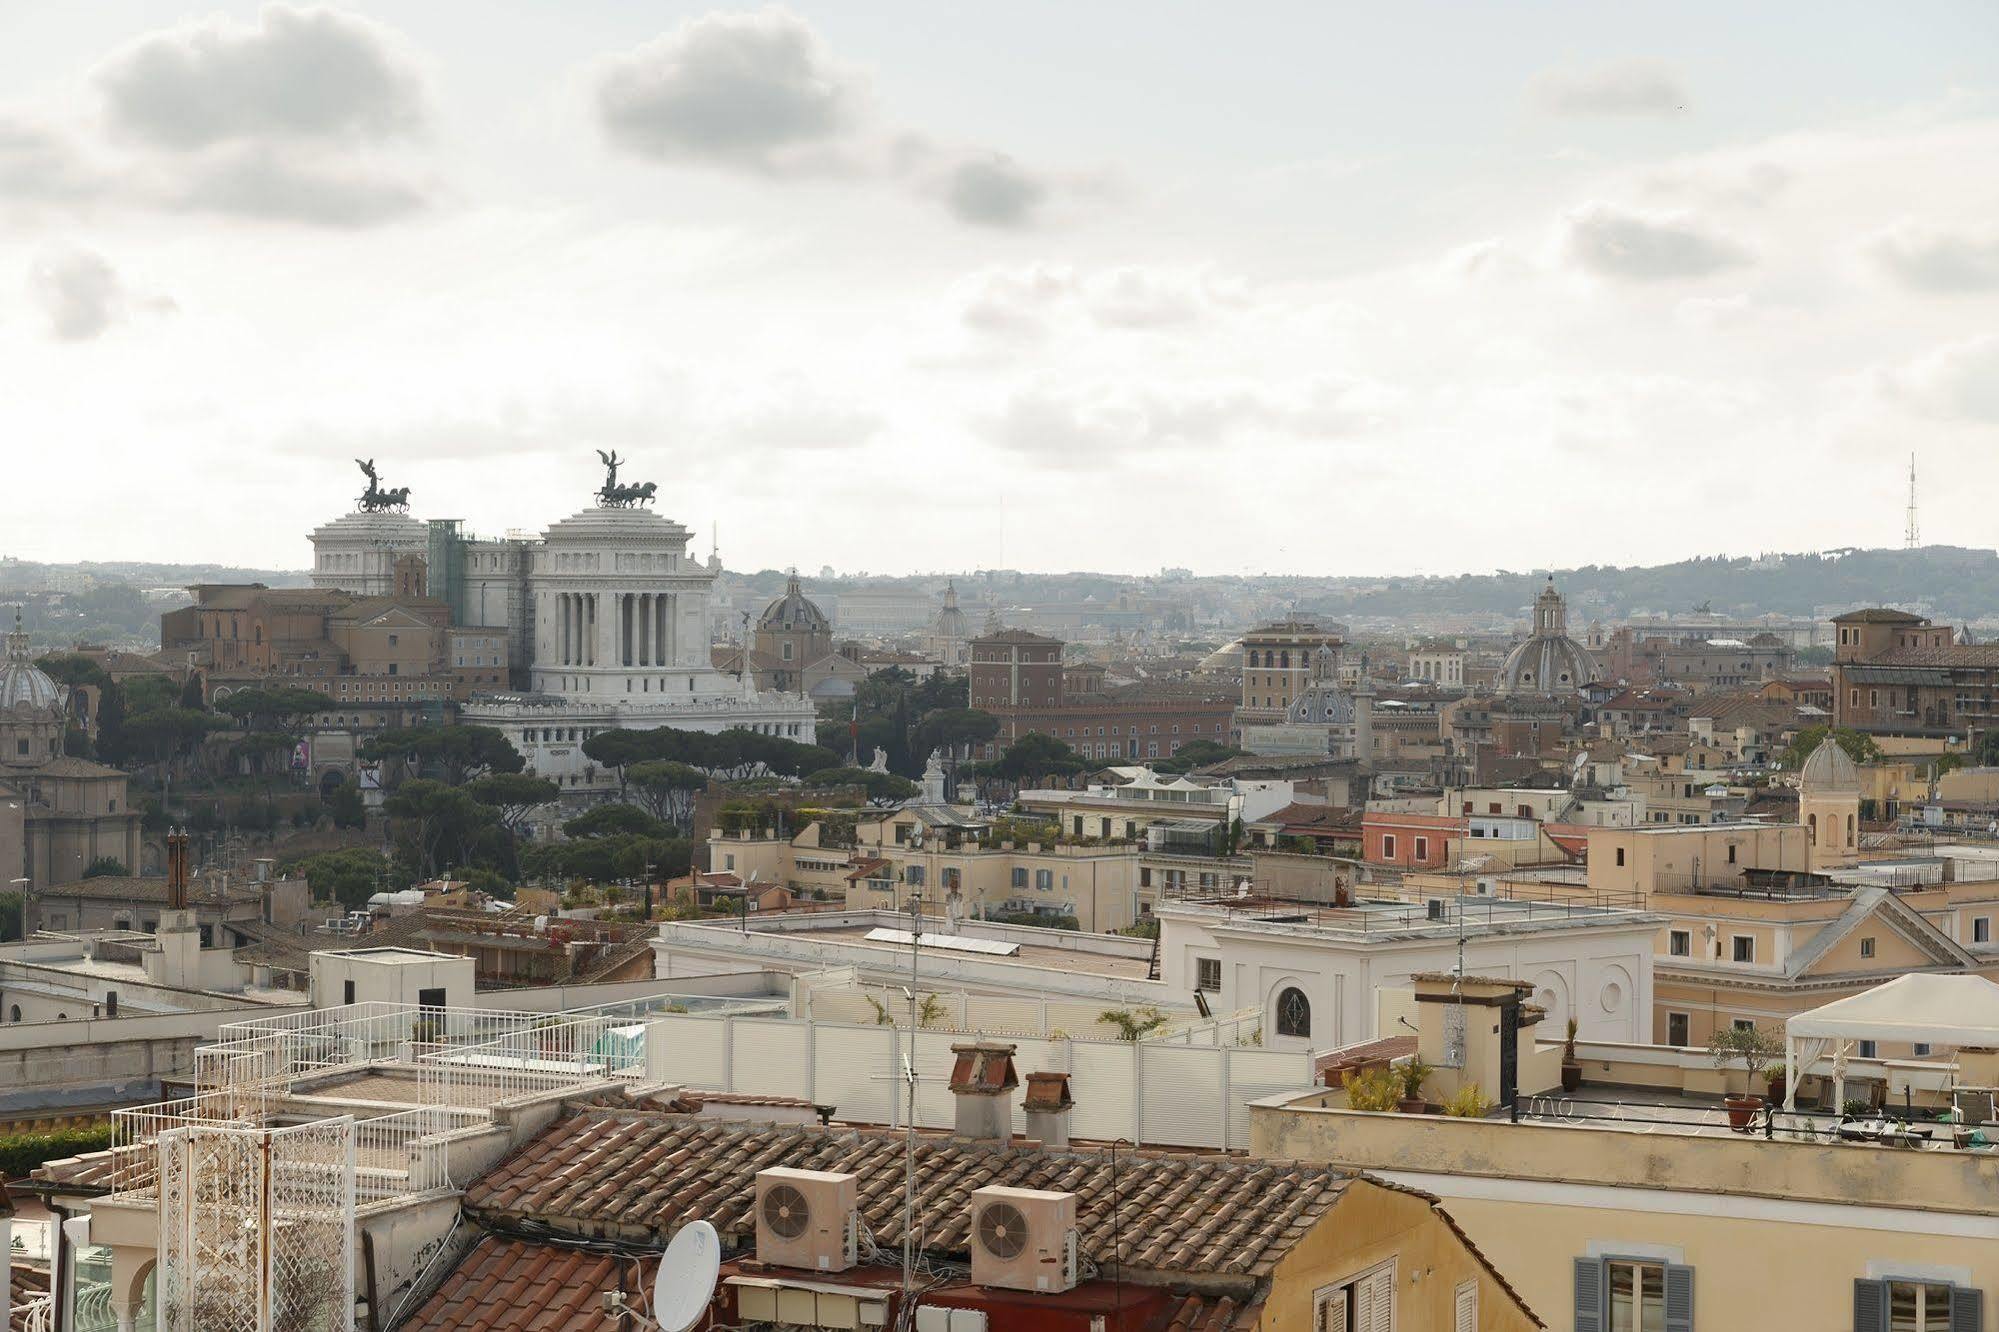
(1144, 1092)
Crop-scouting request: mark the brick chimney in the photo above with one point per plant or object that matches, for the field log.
(1048, 1105)
(982, 1083)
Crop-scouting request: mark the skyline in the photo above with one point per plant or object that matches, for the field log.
(809, 268)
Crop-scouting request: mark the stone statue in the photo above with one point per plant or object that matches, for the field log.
(881, 760)
(375, 499)
(611, 495)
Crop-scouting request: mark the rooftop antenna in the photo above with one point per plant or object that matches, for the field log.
(909, 1119)
(1912, 537)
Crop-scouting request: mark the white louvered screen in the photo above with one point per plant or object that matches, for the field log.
(1182, 1090)
(686, 1050)
(853, 1067)
(770, 1057)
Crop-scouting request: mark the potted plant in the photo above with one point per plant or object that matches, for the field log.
(1376, 1089)
(1414, 1074)
(1572, 1072)
(1755, 1049)
(1775, 1082)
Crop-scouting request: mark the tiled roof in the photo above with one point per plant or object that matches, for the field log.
(1384, 1050)
(626, 1171)
(509, 1285)
(90, 1173)
(1878, 615)
(1975, 654)
(865, 867)
(1209, 1313)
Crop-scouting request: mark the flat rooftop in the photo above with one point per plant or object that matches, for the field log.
(1438, 916)
(1030, 955)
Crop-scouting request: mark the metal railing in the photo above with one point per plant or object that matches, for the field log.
(1904, 1127)
(547, 1054)
(37, 1315)
(135, 1132)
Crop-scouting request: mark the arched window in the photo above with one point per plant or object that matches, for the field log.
(14, 1013)
(1849, 830)
(1812, 829)
(1294, 1012)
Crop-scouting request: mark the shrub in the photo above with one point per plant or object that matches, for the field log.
(20, 1153)
(1414, 1074)
(1468, 1102)
(1373, 1089)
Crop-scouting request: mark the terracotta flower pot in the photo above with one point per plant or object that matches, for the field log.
(1412, 1105)
(1742, 1111)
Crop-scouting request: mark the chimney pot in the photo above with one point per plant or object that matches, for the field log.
(982, 1083)
(1048, 1104)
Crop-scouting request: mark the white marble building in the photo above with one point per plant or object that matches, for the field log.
(612, 611)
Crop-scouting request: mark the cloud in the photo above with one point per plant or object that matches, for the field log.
(1613, 88)
(302, 116)
(38, 164)
(296, 74)
(1080, 429)
(993, 191)
(1646, 247)
(1936, 259)
(1955, 382)
(1023, 303)
(761, 93)
(82, 295)
(757, 91)
(262, 182)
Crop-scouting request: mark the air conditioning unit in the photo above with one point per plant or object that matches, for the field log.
(807, 1218)
(1023, 1239)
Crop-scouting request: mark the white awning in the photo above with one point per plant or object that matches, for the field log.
(1939, 1010)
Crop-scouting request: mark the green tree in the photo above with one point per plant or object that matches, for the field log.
(1032, 757)
(435, 816)
(348, 808)
(1859, 746)
(150, 693)
(349, 876)
(882, 786)
(279, 710)
(111, 743)
(12, 910)
(106, 867)
(512, 795)
(953, 729)
(666, 789)
(194, 694)
(1196, 754)
(167, 735)
(615, 820)
(455, 753)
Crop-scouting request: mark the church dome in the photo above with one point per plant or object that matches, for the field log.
(1549, 663)
(1828, 770)
(24, 684)
(1322, 704)
(950, 621)
(794, 611)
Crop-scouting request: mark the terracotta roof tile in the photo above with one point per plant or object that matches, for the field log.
(643, 1171)
(508, 1285)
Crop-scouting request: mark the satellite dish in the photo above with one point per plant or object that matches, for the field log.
(686, 1279)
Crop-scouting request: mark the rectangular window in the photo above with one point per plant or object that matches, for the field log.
(1744, 1024)
(1745, 947)
(1044, 880)
(1867, 946)
(1916, 1306)
(1388, 846)
(1676, 1029)
(1869, 1050)
(1020, 876)
(1921, 1048)
(1364, 1304)
(1620, 857)
(1208, 974)
(1422, 848)
(1680, 943)
(1633, 1295)
(913, 875)
(1981, 930)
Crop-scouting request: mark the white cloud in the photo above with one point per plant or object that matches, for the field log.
(1024, 303)
(1626, 244)
(1613, 88)
(1080, 428)
(1955, 382)
(761, 92)
(82, 295)
(1938, 259)
(758, 91)
(38, 164)
(298, 117)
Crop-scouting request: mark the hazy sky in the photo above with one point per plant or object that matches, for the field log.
(1306, 288)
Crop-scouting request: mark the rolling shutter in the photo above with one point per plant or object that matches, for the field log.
(1967, 1310)
(1870, 1306)
(1589, 1295)
(1679, 1298)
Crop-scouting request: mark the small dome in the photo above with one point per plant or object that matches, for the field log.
(24, 684)
(1321, 703)
(794, 611)
(1828, 769)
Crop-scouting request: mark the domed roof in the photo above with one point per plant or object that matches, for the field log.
(1223, 660)
(1322, 703)
(1549, 663)
(794, 611)
(381, 529)
(614, 525)
(950, 621)
(1828, 769)
(22, 683)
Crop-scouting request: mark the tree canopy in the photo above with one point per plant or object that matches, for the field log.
(878, 785)
(734, 753)
(455, 753)
(277, 710)
(1032, 756)
(1859, 746)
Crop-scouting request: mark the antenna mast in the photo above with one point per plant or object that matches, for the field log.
(1912, 536)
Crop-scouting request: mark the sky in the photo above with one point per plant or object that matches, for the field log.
(1315, 288)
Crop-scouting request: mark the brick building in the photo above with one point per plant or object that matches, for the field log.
(1897, 674)
(1019, 678)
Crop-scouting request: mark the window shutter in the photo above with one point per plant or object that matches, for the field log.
(1332, 1311)
(1679, 1298)
(1589, 1295)
(1465, 1316)
(1870, 1306)
(1381, 1301)
(1967, 1310)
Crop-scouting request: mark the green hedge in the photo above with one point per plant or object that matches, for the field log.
(20, 1153)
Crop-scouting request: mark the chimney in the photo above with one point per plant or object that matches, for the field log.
(982, 1083)
(1048, 1105)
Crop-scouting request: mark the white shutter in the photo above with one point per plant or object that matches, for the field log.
(1465, 1314)
(1380, 1301)
(1331, 1313)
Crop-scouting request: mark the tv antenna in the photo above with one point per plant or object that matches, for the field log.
(686, 1278)
(1912, 536)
